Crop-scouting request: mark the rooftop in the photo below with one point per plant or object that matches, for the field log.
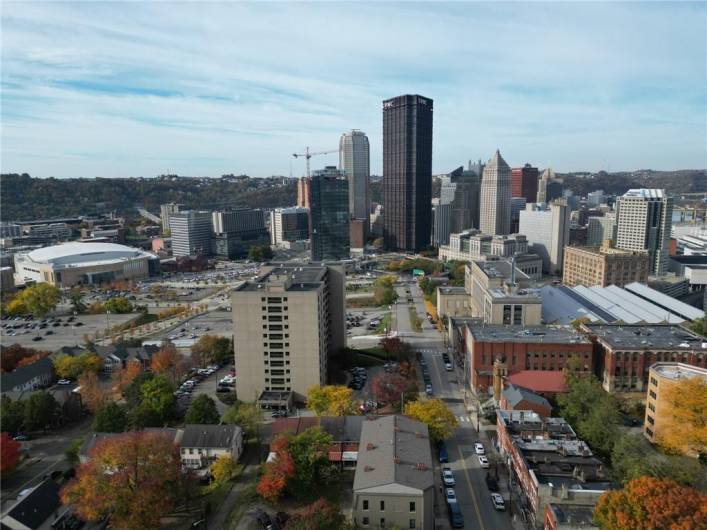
(93, 251)
(209, 435)
(395, 452)
(644, 193)
(548, 334)
(542, 381)
(451, 290)
(37, 506)
(560, 307)
(515, 394)
(577, 515)
(647, 337)
(293, 277)
(676, 371)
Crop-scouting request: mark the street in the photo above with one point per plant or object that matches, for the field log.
(472, 494)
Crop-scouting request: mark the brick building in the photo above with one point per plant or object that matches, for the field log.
(625, 352)
(549, 463)
(519, 398)
(604, 266)
(521, 348)
(569, 517)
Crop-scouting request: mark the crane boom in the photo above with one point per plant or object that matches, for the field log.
(309, 154)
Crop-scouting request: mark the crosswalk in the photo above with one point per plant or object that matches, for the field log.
(463, 419)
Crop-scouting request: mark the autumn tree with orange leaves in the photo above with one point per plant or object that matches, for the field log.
(125, 376)
(168, 362)
(683, 417)
(134, 478)
(281, 468)
(652, 503)
(93, 395)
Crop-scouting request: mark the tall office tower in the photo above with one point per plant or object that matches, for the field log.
(289, 224)
(477, 168)
(329, 215)
(546, 177)
(644, 218)
(303, 192)
(524, 182)
(166, 210)
(235, 231)
(595, 198)
(354, 159)
(600, 229)
(407, 172)
(441, 213)
(517, 206)
(496, 197)
(191, 233)
(461, 189)
(287, 323)
(547, 228)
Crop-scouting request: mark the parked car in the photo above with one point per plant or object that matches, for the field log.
(448, 367)
(483, 461)
(491, 482)
(63, 382)
(428, 389)
(455, 515)
(21, 437)
(281, 413)
(479, 448)
(443, 456)
(497, 501)
(450, 494)
(448, 476)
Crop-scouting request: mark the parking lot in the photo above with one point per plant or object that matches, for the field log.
(217, 322)
(55, 332)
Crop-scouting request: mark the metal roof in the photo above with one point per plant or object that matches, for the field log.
(101, 252)
(664, 301)
(596, 296)
(648, 312)
(561, 308)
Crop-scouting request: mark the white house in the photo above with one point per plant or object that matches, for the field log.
(201, 445)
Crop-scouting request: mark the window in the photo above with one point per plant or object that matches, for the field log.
(382, 522)
(651, 407)
(652, 394)
(365, 505)
(382, 506)
(412, 506)
(412, 523)
(654, 381)
(364, 521)
(650, 420)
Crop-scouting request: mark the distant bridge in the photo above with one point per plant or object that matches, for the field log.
(147, 215)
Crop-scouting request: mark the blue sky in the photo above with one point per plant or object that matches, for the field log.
(144, 88)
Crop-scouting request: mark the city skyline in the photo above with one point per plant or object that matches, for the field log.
(92, 90)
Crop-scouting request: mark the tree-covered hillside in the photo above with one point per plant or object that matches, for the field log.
(24, 198)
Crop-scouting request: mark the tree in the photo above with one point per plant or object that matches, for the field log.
(683, 413)
(158, 394)
(71, 367)
(396, 348)
(15, 356)
(223, 469)
(38, 299)
(132, 478)
(332, 400)
(651, 503)
(168, 362)
(383, 291)
(278, 471)
(110, 417)
(245, 415)
(125, 381)
(9, 453)
(260, 253)
(76, 299)
(39, 409)
(118, 305)
(434, 413)
(93, 395)
(309, 451)
(212, 349)
(592, 412)
(202, 411)
(320, 515)
(390, 387)
(12, 414)
(144, 416)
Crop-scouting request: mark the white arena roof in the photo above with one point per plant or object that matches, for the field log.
(85, 253)
(664, 301)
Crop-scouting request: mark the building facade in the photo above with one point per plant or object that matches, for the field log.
(524, 182)
(643, 222)
(289, 224)
(329, 215)
(473, 245)
(407, 172)
(354, 160)
(604, 266)
(166, 210)
(191, 233)
(664, 378)
(303, 192)
(441, 218)
(236, 231)
(548, 231)
(453, 302)
(286, 325)
(600, 229)
(495, 198)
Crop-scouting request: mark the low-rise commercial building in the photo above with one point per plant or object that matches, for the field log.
(569, 517)
(453, 302)
(664, 377)
(473, 245)
(393, 485)
(541, 349)
(625, 352)
(549, 463)
(604, 266)
(287, 323)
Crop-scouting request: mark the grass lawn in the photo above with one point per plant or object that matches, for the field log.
(365, 301)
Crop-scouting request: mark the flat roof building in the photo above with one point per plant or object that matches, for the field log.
(191, 233)
(286, 325)
(604, 266)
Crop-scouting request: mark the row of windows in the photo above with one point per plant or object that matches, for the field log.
(365, 505)
(365, 521)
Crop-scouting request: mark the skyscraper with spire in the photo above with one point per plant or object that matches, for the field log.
(495, 215)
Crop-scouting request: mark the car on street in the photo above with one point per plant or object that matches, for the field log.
(497, 501)
(448, 476)
(428, 389)
(450, 494)
(455, 515)
(479, 448)
(63, 382)
(483, 461)
(491, 482)
(21, 437)
(443, 456)
(448, 367)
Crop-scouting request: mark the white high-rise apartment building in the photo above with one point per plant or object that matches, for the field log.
(644, 218)
(548, 231)
(354, 159)
(496, 197)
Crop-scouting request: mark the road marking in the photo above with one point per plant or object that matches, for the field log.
(471, 488)
(439, 377)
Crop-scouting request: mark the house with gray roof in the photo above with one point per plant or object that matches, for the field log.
(37, 510)
(393, 483)
(39, 374)
(201, 445)
(519, 398)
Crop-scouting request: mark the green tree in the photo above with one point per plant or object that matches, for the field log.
(111, 417)
(76, 299)
(202, 411)
(119, 305)
(40, 409)
(309, 452)
(39, 299)
(12, 415)
(133, 391)
(212, 349)
(384, 291)
(158, 394)
(260, 253)
(245, 415)
(144, 416)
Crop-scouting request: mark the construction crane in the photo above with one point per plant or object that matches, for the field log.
(307, 155)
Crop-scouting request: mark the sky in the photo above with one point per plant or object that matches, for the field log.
(129, 89)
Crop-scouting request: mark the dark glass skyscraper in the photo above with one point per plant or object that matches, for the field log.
(329, 215)
(407, 172)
